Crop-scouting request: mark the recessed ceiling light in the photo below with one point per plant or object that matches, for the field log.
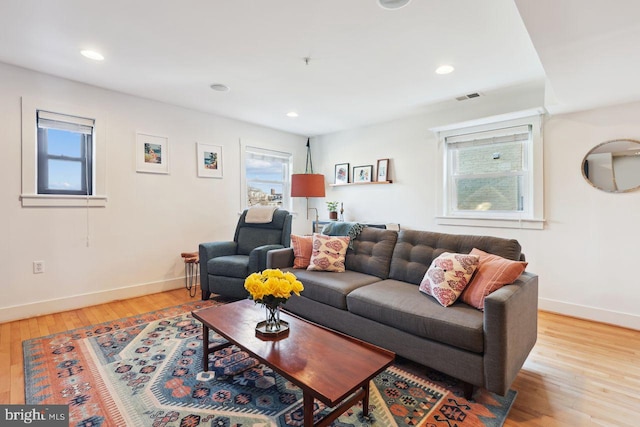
(444, 69)
(220, 87)
(292, 114)
(393, 4)
(92, 55)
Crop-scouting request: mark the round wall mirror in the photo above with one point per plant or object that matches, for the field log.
(613, 166)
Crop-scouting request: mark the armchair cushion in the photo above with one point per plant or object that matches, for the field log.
(230, 266)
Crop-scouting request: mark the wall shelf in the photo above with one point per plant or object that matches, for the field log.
(360, 183)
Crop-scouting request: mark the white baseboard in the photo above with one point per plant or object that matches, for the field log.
(40, 308)
(626, 320)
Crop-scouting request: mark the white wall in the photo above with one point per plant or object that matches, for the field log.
(585, 256)
(136, 240)
(587, 253)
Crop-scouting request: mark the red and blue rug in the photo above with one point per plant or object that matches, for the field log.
(146, 371)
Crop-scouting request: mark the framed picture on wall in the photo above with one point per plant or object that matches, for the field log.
(362, 173)
(152, 153)
(342, 173)
(209, 160)
(383, 170)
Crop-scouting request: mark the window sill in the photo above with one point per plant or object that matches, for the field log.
(56, 200)
(531, 224)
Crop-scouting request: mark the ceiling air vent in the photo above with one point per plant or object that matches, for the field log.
(468, 96)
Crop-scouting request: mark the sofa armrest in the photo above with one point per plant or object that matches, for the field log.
(211, 250)
(258, 257)
(510, 331)
(280, 258)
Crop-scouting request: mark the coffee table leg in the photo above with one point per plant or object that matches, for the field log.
(307, 407)
(365, 401)
(205, 349)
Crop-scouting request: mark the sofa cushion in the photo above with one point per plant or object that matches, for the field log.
(400, 305)
(372, 251)
(416, 250)
(328, 253)
(331, 289)
(231, 265)
(493, 273)
(447, 277)
(302, 249)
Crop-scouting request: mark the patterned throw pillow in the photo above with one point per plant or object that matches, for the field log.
(328, 253)
(447, 277)
(493, 273)
(302, 248)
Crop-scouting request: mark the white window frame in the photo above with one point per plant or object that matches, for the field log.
(287, 202)
(29, 195)
(46, 121)
(532, 217)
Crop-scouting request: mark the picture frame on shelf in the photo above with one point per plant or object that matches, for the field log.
(209, 160)
(363, 173)
(152, 153)
(341, 173)
(383, 170)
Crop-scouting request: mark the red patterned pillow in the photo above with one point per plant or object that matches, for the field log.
(302, 248)
(493, 273)
(447, 277)
(328, 253)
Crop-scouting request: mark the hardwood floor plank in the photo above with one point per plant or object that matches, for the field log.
(580, 373)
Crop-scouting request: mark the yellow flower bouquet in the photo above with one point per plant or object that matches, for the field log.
(271, 288)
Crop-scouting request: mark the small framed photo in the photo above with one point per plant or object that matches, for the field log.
(152, 153)
(209, 160)
(383, 170)
(362, 173)
(342, 173)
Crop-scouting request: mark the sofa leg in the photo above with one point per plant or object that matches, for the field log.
(205, 295)
(467, 390)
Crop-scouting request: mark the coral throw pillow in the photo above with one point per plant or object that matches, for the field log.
(493, 273)
(447, 277)
(328, 253)
(302, 248)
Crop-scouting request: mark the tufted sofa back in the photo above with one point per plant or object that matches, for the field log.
(372, 251)
(415, 250)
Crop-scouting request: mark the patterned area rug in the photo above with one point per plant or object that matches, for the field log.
(146, 371)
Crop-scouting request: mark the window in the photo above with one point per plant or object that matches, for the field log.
(493, 172)
(65, 154)
(267, 176)
(488, 171)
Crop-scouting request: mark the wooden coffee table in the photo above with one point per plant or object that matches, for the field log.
(334, 368)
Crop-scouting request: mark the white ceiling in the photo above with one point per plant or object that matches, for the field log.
(366, 64)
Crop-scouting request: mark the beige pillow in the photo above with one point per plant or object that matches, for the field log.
(328, 253)
(493, 273)
(447, 276)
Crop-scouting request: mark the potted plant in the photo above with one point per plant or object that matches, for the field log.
(332, 207)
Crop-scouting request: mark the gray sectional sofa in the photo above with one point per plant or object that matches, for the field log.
(377, 300)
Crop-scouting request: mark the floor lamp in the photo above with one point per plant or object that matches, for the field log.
(308, 184)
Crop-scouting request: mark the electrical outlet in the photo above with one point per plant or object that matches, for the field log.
(38, 267)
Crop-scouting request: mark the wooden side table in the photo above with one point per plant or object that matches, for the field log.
(191, 264)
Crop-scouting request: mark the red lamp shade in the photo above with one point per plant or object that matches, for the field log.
(307, 185)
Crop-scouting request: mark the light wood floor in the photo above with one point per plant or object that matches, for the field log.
(580, 373)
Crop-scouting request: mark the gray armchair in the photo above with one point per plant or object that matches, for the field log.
(225, 265)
